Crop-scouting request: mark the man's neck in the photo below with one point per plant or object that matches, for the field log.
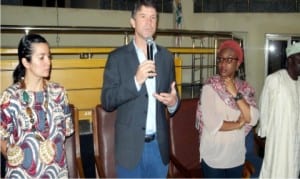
(292, 73)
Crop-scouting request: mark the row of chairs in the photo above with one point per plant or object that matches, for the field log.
(184, 144)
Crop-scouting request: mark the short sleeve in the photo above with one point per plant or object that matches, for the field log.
(6, 122)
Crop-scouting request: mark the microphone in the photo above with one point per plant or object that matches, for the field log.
(149, 42)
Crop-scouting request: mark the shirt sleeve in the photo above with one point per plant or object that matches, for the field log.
(267, 96)
(172, 109)
(211, 119)
(6, 122)
(254, 114)
(138, 87)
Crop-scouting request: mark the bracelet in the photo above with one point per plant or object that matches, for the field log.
(238, 96)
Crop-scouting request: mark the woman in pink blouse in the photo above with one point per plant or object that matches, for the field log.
(226, 113)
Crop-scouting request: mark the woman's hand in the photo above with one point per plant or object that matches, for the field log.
(3, 145)
(241, 121)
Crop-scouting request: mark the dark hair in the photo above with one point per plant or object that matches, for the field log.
(138, 5)
(25, 51)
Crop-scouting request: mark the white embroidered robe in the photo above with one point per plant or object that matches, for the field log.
(280, 124)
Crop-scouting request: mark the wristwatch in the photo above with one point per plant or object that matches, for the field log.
(238, 96)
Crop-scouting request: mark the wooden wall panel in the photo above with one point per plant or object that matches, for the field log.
(82, 78)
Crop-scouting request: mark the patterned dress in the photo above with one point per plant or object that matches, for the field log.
(35, 125)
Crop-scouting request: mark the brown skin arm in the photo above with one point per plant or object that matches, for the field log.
(3, 148)
(245, 110)
(231, 125)
(242, 104)
(244, 107)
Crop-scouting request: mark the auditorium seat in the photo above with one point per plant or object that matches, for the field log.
(72, 147)
(103, 137)
(184, 140)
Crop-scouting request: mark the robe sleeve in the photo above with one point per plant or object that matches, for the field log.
(266, 100)
(254, 113)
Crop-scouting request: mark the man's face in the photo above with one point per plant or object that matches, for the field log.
(296, 63)
(144, 22)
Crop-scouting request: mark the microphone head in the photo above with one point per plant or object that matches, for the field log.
(149, 40)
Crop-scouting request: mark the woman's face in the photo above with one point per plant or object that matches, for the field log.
(40, 61)
(227, 62)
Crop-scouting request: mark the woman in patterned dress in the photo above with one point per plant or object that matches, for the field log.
(35, 117)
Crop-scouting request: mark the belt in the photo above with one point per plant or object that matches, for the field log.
(149, 138)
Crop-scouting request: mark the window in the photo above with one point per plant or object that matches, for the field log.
(275, 51)
(38, 3)
(164, 6)
(247, 6)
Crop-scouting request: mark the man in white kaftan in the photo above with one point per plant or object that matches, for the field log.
(280, 120)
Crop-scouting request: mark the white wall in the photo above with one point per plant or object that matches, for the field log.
(252, 27)
(255, 25)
